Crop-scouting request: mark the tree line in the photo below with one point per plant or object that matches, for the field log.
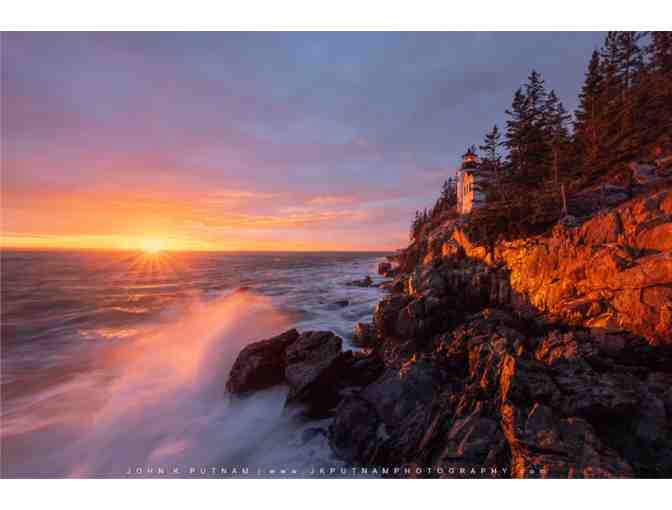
(624, 114)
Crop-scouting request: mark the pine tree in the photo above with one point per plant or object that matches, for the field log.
(537, 97)
(555, 122)
(448, 196)
(611, 91)
(447, 199)
(622, 65)
(630, 64)
(630, 58)
(590, 114)
(654, 100)
(514, 139)
(535, 93)
(525, 132)
(416, 225)
(624, 113)
(491, 157)
(659, 53)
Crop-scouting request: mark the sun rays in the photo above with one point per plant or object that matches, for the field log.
(152, 246)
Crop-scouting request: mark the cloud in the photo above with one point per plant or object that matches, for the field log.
(331, 200)
(317, 137)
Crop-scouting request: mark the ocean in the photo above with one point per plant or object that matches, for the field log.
(114, 363)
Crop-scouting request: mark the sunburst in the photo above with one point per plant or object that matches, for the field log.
(152, 246)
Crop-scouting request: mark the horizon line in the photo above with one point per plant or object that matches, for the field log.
(136, 250)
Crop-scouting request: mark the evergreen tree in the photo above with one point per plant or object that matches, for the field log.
(526, 132)
(448, 196)
(654, 100)
(589, 114)
(415, 226)
(537, 143)
(630, 64)
(447, 199)
(555, 122)
(659, 53)
(514, 139)
(622, 64)
(491, 157)
(535, 93)
(611, 90)
(629, 59)
(624, 113)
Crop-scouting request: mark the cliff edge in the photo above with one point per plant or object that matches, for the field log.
(549, 356)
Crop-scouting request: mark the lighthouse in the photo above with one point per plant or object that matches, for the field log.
(470, 176)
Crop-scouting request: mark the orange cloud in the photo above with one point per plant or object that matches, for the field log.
(329, 200)
(220, 220)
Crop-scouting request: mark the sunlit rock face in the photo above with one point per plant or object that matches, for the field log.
(548, 356)
(613, 272)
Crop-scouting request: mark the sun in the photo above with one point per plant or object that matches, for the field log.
(152, 246)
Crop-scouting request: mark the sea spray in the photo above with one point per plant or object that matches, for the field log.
(159, 400)
(109, 365)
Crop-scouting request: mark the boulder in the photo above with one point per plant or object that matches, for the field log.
(570, 377)
(364, 335)
(385, 269)
(386, 313)
(367, 281)
(261, 365)
(320, 375)
(311, 363)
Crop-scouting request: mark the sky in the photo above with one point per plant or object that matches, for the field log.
(251, 141)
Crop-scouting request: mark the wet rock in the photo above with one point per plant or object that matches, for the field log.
(395, 395)
(362, 369)
(261, 365)
(385, 269)
(549, 356)
(364, 335)
(385, 314)
(353, 433)
(425, 279)
(320, 375)
(376, 424)
(367, 281)
(312, 364)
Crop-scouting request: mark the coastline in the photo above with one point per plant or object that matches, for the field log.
(473, 359)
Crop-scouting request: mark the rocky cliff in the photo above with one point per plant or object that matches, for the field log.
(542, 357)
(613, 272)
